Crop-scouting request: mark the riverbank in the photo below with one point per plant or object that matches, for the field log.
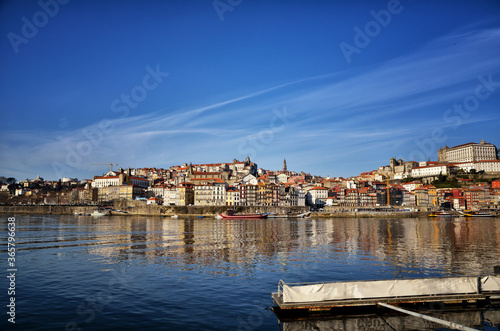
(138, 208)
(385, 214)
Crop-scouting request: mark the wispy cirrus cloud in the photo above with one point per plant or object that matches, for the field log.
(334, 115)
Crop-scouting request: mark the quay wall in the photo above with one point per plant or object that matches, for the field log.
(347, 214)
(141, 208)
(362, 212)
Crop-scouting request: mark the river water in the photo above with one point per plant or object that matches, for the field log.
(152, 273)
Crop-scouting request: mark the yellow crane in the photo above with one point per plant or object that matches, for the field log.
(388, 195)
(109, 164)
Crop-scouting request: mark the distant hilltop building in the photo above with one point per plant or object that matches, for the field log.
(469, 157)
(400, 166)
(467, 153)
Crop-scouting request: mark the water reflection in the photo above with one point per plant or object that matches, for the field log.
(408, 246)
(230, 263)
(480, 319)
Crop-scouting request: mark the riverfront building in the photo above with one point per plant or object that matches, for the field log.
(118, 179)
(237, 184)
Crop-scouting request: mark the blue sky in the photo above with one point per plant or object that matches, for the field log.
(335, 87)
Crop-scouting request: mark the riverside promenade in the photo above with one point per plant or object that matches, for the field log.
(140, 208)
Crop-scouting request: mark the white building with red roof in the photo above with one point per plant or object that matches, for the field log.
(316, 196)
(117, 179)
(155, 201)
(468, 153)
(488, 166)
(430, 170)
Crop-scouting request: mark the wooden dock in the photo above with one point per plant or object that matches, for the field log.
(327, 305)
(384, 319)
(326, 296)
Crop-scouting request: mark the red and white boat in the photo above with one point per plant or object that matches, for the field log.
(232, 215)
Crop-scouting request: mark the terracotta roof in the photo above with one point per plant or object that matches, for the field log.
(468, 144)
(206, 179)
(433, 166)
(365, 189)
(206, 173)
(138, 178)
(318, 188)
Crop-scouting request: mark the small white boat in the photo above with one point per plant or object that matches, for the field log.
(99, 213)
(175, 216)
(119, 213)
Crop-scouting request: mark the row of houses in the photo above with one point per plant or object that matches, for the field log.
(243, 184)
(415, 194)
(284, 189)
(219, 193)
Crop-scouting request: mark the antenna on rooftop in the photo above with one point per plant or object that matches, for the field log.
(110, 165)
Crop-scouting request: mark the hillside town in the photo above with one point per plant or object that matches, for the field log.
(465, 177)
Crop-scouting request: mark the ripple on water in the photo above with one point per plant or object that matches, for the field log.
(150, 273)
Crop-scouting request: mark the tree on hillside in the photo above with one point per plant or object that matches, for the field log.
(5, 180)
(13, 187)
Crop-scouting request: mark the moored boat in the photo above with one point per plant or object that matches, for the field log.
(232, 215)
(278, 216)
(479, 214)
(100, 212)
(444, 213)
(243, 216)
(274, 215)
(119, 213)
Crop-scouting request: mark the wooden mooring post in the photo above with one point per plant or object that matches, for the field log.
(428, 318)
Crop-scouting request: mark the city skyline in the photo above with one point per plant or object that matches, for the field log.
(335, 89)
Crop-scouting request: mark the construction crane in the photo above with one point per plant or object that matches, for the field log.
(109, 164)
(388, 193)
